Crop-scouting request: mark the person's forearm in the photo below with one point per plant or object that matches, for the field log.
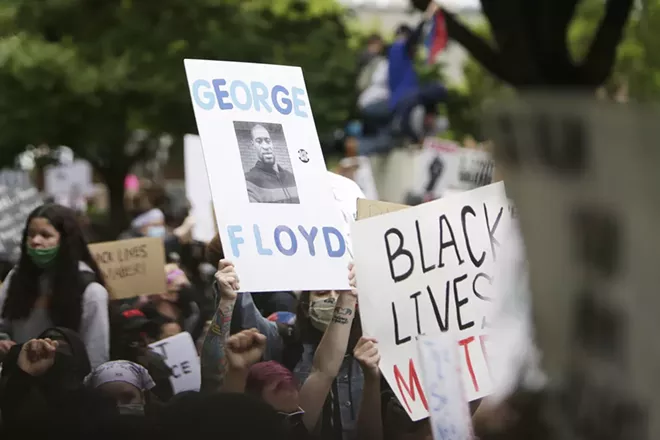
(213, 359)
(327, 361)
(234, 381)
(332, 348)
(369, 421)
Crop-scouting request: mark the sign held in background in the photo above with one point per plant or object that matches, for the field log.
(132, 267)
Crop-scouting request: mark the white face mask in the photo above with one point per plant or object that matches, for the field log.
(131, 409)
(321, 311)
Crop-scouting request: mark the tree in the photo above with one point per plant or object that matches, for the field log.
(530, 49)
(634, 75)
(107, 78)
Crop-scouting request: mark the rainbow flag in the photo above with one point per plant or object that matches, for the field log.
(436, 40)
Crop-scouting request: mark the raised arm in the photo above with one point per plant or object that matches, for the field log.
(369, 422)
(213, 359)
(328, 357)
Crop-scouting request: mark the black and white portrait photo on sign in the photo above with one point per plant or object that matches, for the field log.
(266, 163)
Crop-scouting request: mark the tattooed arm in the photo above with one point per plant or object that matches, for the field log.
(213, 358)
(328, 359)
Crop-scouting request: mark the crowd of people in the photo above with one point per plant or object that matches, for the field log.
(393, 104)
(76, 362)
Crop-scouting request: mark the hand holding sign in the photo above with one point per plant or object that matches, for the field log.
(244, 349)
(366, 353)
(227, 278)
(352, 281)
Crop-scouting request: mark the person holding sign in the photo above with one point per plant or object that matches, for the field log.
(56, 283)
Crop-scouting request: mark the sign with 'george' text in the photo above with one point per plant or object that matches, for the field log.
(426, 270)
(131, 267)
(284, 230)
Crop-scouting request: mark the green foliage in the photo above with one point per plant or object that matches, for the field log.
(88, 74)
(84, 73)
(637, 67)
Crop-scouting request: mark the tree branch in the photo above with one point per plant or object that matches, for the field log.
(485, 54)
(597, 65)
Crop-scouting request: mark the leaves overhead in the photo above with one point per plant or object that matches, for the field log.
(87, 74)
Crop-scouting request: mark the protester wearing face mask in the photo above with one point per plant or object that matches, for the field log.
(56, 282)
(314, 315)
(177, 303)
(126, 382)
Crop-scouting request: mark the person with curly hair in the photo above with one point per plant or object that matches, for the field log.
(55, 283)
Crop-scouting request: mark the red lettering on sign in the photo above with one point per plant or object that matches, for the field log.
(464, 343)
(409, 387)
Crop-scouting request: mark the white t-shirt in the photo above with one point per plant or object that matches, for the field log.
(379, 89)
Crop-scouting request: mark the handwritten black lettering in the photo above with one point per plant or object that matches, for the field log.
(414, 296)
(421, 250)
(460, 303)
(476, 291)
(445, 244)
(161, 347)
(464, 212)
(400, 251)
(491, 231)
(398, 340)
(444, 325)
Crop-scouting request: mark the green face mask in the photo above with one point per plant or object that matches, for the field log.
(43, 257)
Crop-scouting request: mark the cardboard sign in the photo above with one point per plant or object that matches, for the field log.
(132, 267)
(197, 189)
(426, 270)
(371, 208)
(181, 356)
(276, 214)
(448, 408)
(16, 203)
(583, 174)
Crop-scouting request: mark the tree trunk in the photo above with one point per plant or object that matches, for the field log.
(114, 179)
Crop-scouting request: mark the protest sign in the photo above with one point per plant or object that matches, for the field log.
(448, 407)
(583, 174)
(181, 356)
(131, 267)
(16, 203)
(371, 208)
(276, 214)
(429, 269)
(69, 184)
(443, 167)
(197, 189)
(15, 178)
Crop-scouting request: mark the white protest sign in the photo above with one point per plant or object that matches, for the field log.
(428, 269)
(69, 182)
(444, 167)
(277, 218)
(448, 408)
(180, 355)
(583, 174)
(197, 188)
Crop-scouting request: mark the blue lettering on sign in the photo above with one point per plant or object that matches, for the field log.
(245, 96)
(286, 240)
